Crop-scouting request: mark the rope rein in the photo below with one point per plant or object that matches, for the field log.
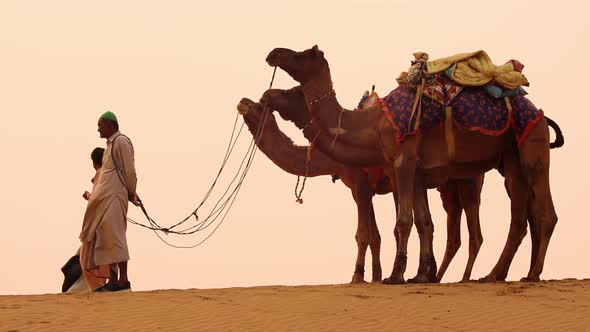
(323, 97)
(223, 205)
(298, 195)
(339, 128)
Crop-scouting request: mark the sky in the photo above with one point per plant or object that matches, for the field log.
(174, 71)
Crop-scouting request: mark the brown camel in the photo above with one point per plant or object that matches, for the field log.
(281, 150)
(293, 159)
(421, 161)
(457, 195)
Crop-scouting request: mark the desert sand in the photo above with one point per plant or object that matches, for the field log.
(562, 305)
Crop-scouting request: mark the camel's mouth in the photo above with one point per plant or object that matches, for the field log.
(245, 106)
(269, 95)
(276, 57)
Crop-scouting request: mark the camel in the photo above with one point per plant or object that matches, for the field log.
(456, 195)
(420, 162)
(293, 159)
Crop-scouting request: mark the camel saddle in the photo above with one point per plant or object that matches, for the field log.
(443, 79)
(476, 69)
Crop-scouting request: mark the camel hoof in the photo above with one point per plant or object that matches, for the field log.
(528, 279)
(357, 278)
(357, 282)
(393, 281)
(490, 278)
(487, 279)
(422, 279)
(377, 276)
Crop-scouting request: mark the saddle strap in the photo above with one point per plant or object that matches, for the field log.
(417, 105)
(509, 107)
(449, 134)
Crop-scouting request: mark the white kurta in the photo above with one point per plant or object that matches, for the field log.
(105, 220)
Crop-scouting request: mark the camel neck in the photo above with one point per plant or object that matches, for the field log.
(351, 128)
(299, 115)
(322, 103)
(281, 150)
(318, 91)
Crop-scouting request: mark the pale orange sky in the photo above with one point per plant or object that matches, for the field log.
(173, 73)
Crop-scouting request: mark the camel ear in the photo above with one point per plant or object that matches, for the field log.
(316, 51)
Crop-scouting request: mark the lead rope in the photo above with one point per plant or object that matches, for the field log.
(298, 195)
(217, 209)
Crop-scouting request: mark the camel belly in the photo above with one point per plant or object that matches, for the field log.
(437, 176)
(475, 154)
(471, 147)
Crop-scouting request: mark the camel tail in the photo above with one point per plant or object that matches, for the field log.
(559, 141)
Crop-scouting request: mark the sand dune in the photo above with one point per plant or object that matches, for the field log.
(550, 305)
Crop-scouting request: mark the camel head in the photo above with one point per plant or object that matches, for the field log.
(251, 111)
(290, 104)
(302, 66)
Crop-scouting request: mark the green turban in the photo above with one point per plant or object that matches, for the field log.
(109, 116)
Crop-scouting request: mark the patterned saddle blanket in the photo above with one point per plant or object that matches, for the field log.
(473, 109)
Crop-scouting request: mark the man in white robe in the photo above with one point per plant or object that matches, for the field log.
(104, 228)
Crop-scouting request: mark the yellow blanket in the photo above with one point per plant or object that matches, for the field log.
(477, 69)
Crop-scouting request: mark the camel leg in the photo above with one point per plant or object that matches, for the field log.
(452, 205)
(403, 174)
(470, 195)
(533, 227)
(375, 246)
(544, 219)
(535, 239)
(534, 158)
(423, 222)
(516, 186)
(403, 226)
(396, 203)
(362, 196)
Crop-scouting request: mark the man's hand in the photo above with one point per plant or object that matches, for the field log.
(134, 198)
(86, 195)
